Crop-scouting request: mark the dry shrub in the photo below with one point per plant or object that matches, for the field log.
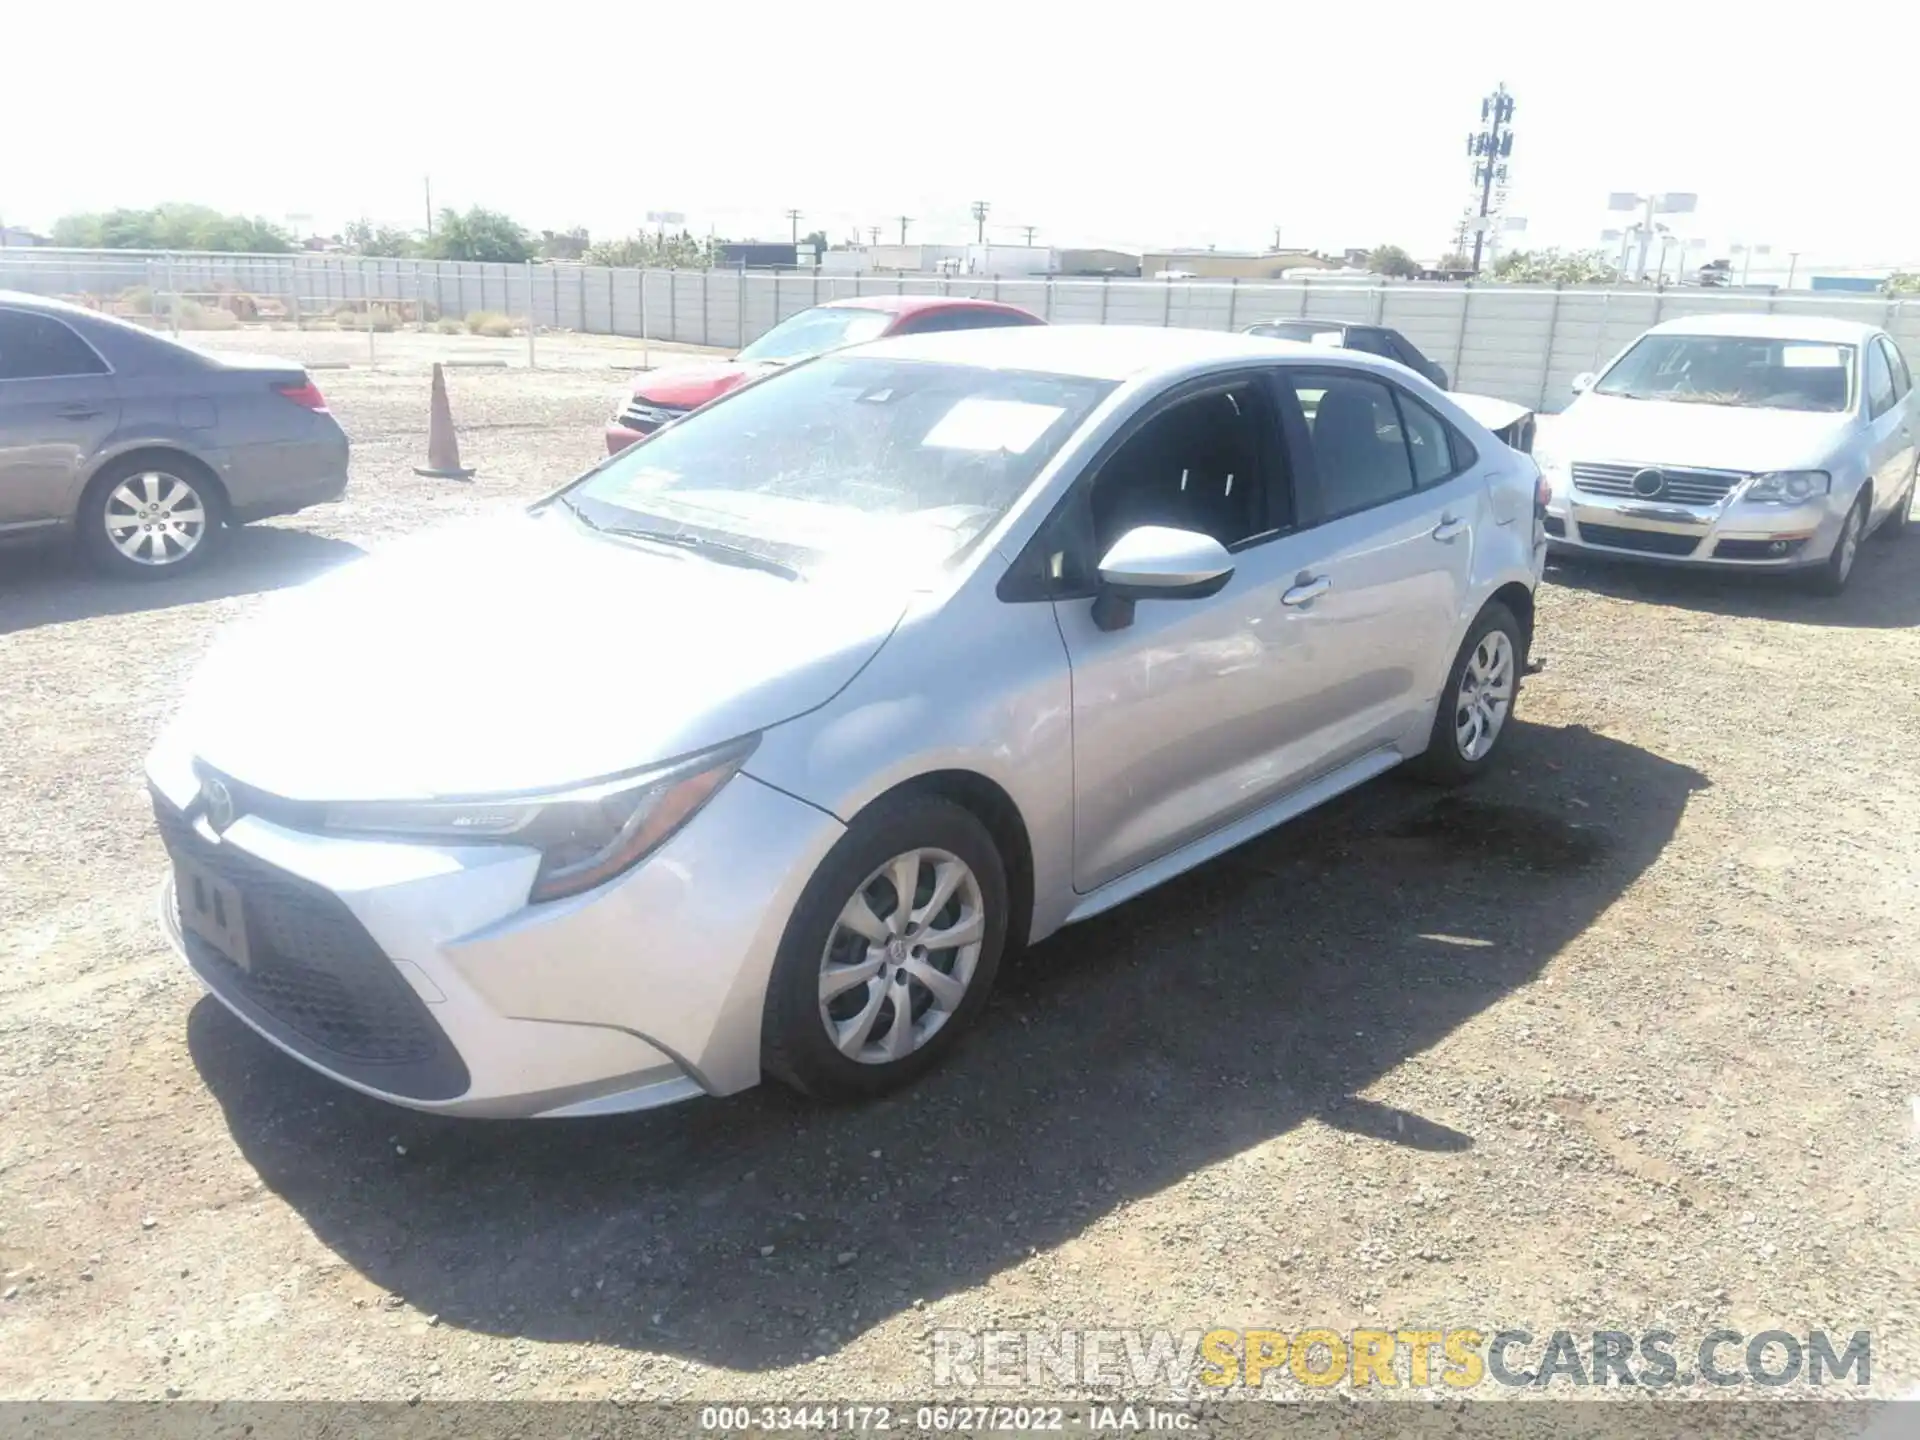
(489, 322)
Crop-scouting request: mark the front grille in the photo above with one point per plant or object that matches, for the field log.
(1648, 542)
(646, 417)
(1758, 549)
(1681, 486)
(318, 982)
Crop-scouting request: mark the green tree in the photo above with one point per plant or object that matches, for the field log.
(366, 238)
(657, 251)
(1903, 282)
(1553, 267)
(815, 238)
(1392, 260)
(479, 235)
(171, 226)
(1455, 261)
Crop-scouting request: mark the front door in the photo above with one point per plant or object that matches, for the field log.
(1890, 421)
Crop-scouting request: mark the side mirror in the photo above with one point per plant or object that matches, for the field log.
(1156, 562)
(1583, 382)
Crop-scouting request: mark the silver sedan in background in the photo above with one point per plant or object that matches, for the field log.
(754, 750)
(1763, 442)
(143, 449)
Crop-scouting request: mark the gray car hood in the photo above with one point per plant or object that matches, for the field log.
(515, 654)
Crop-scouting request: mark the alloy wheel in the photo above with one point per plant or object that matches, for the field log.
(901, 955)
(153, 518)
(1486, 695)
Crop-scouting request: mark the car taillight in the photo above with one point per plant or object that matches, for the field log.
(305, 393)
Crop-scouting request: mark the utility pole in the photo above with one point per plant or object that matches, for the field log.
(1030, 229)
(980, 208)
(1490, 146)
(427, 181)
(793, 219)
(873, 234)
(905, 221)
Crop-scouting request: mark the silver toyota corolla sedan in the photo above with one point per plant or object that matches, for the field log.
(1770, 442)
(754, 750)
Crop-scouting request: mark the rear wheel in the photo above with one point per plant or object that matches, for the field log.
(890, 953)
(1478, 700)
(148, 516)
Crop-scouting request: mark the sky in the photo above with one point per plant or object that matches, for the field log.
(1126, 126)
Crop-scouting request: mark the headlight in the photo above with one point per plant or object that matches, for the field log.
(585, 836)
(1788, 487)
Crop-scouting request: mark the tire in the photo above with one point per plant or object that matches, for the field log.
(1899, 521)
(1830, 577)
(146, 502)
(1496, 650)
(852, 1063)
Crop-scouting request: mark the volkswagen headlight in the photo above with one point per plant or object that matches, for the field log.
(585, 836)
(1788, 487)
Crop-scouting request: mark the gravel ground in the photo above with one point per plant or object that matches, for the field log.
(1621, 1038)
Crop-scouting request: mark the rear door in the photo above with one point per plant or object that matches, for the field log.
(1394, 504)
(57, 408)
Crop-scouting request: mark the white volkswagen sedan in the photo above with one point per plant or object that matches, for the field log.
(753, 750)
(1757, 441)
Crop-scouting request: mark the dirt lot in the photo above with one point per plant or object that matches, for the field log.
(1624, 1037)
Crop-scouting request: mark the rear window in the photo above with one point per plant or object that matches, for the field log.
(39, 347)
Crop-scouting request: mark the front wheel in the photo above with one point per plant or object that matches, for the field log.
(890, 953)
(1477, 701)
(1899, 521)
(1831, 577)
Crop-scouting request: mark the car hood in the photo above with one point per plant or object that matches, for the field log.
(514, 654)
(1711, 437)
(686, 386)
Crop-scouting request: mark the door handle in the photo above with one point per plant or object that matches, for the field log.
(1307, 591)
(1448, 528)
(76, 412)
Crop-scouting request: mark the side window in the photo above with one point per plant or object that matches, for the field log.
(1200, 464)
(1902, 380)
(1404, 352)
(39, 347)
(1361, 457)
(1429, 442)
(1370, 342)
(1879, 382)
(963, 319)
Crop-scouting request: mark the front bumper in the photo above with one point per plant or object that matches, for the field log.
(1733, 533)
(418, 973)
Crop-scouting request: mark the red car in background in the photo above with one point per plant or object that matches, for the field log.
(664, 396)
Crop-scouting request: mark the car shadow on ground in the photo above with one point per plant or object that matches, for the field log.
(1261, 992)
(1884, 593)
(53, 586)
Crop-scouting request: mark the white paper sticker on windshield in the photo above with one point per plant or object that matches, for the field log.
(1329, 338)
(1008, 425)
(1812, 357)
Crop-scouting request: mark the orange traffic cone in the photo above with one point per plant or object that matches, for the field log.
(443, 448)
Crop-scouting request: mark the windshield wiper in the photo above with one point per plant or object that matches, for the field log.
(716, 550)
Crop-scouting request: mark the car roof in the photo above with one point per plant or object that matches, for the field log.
(917, 304)
(1818, 328)
(1100, 352)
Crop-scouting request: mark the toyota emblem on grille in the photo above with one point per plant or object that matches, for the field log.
(219, 801)
(1647, 484)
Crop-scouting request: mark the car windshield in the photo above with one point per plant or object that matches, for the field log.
(816, 331)
(845, 463)
(1752, 372)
